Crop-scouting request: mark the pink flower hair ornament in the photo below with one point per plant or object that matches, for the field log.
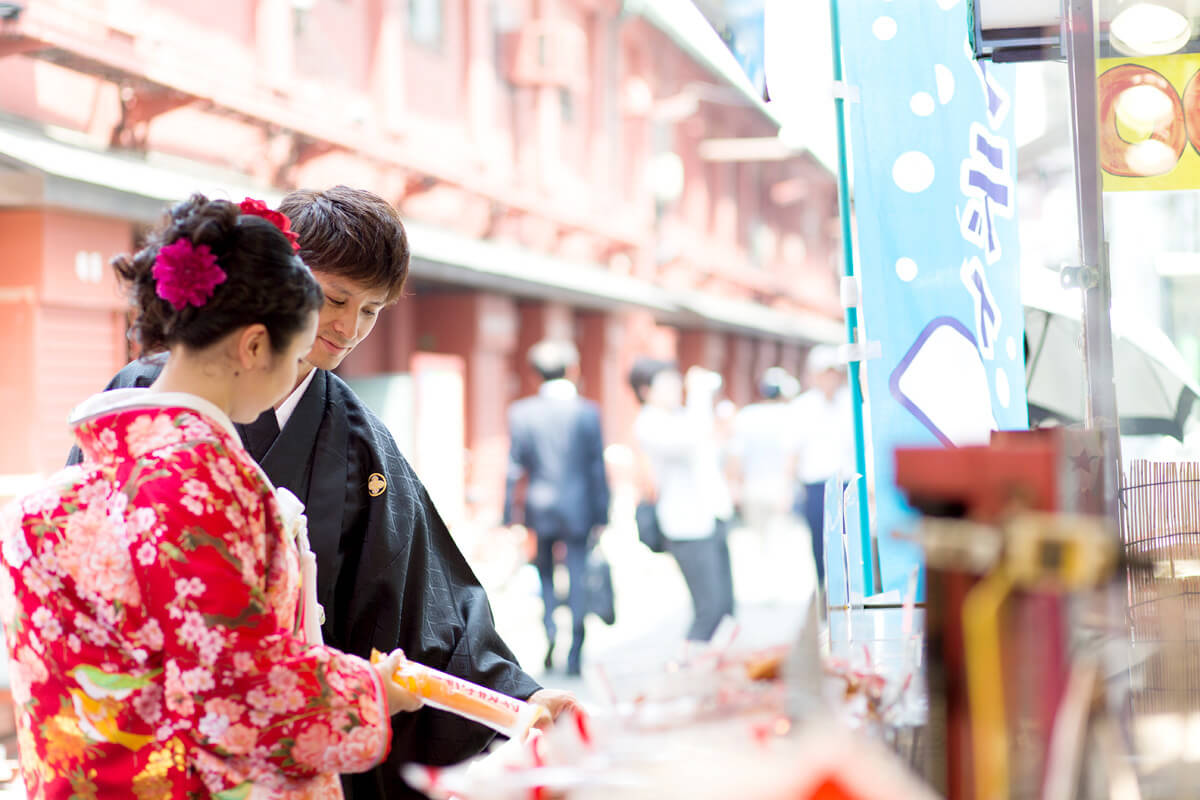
(186, 274)
(257, 208)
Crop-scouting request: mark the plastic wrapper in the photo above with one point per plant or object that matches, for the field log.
(708, 682)
(710, 723)
(507, 715)
(750, 758)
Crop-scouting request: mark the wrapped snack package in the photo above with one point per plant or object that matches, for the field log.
(507, 715)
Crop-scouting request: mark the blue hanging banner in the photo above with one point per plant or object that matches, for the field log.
(935, 174)
(746, 38)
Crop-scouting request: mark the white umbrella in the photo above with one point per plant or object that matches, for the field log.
(1155, 390)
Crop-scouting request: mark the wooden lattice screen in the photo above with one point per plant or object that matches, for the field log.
(1160, 525)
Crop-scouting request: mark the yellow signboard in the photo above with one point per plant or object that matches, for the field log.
(1150, 122)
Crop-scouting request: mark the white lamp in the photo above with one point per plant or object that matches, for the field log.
(667, 177)
(1150, 27)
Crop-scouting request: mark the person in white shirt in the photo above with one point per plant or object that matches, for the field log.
(824, 431)
(693, 504)
(762, 466)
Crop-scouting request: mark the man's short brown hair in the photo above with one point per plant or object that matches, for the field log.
(350, 233)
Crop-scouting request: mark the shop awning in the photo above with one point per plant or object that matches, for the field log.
(448, 257)
(810, 126)
(57, 169)
(76, 177)
(742, 315)
(687, 27)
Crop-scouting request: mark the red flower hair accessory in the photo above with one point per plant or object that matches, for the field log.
(186, 274)
(257, 208)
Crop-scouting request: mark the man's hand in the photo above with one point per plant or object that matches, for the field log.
(556, 702)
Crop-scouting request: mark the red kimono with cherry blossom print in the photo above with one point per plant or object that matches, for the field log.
(149, 599)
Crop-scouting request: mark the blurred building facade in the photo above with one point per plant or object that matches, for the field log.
(566, 167)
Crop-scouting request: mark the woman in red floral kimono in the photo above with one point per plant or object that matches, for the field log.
(151, 596)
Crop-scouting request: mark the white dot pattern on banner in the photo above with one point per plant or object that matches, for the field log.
(913, 171)
(884, 28)
(906, 269)
(922, 104)
(1010, 347)
(945, 83)
(1002, 391)
(946, 5)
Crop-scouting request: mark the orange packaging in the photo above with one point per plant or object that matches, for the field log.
(507, 715)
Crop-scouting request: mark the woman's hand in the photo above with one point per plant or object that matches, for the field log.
(398, 698)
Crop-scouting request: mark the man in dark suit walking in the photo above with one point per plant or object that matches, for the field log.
(557, 446)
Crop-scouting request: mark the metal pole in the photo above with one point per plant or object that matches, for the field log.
(852, 329)
(1079, 37)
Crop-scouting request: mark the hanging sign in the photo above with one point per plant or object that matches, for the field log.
(934, 165)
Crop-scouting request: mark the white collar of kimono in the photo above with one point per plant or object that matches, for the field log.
(290, 506)
(284, 412)
(119, 399)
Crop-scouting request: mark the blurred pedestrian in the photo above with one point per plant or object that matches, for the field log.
(556, 445)
(824, 427)
(692, 501)
(762, 463)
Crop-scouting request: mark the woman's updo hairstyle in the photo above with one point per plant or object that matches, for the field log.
(264, 280)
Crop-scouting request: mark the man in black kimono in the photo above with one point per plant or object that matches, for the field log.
(388, 572)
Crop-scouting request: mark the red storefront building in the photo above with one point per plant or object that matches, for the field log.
(567, 167)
